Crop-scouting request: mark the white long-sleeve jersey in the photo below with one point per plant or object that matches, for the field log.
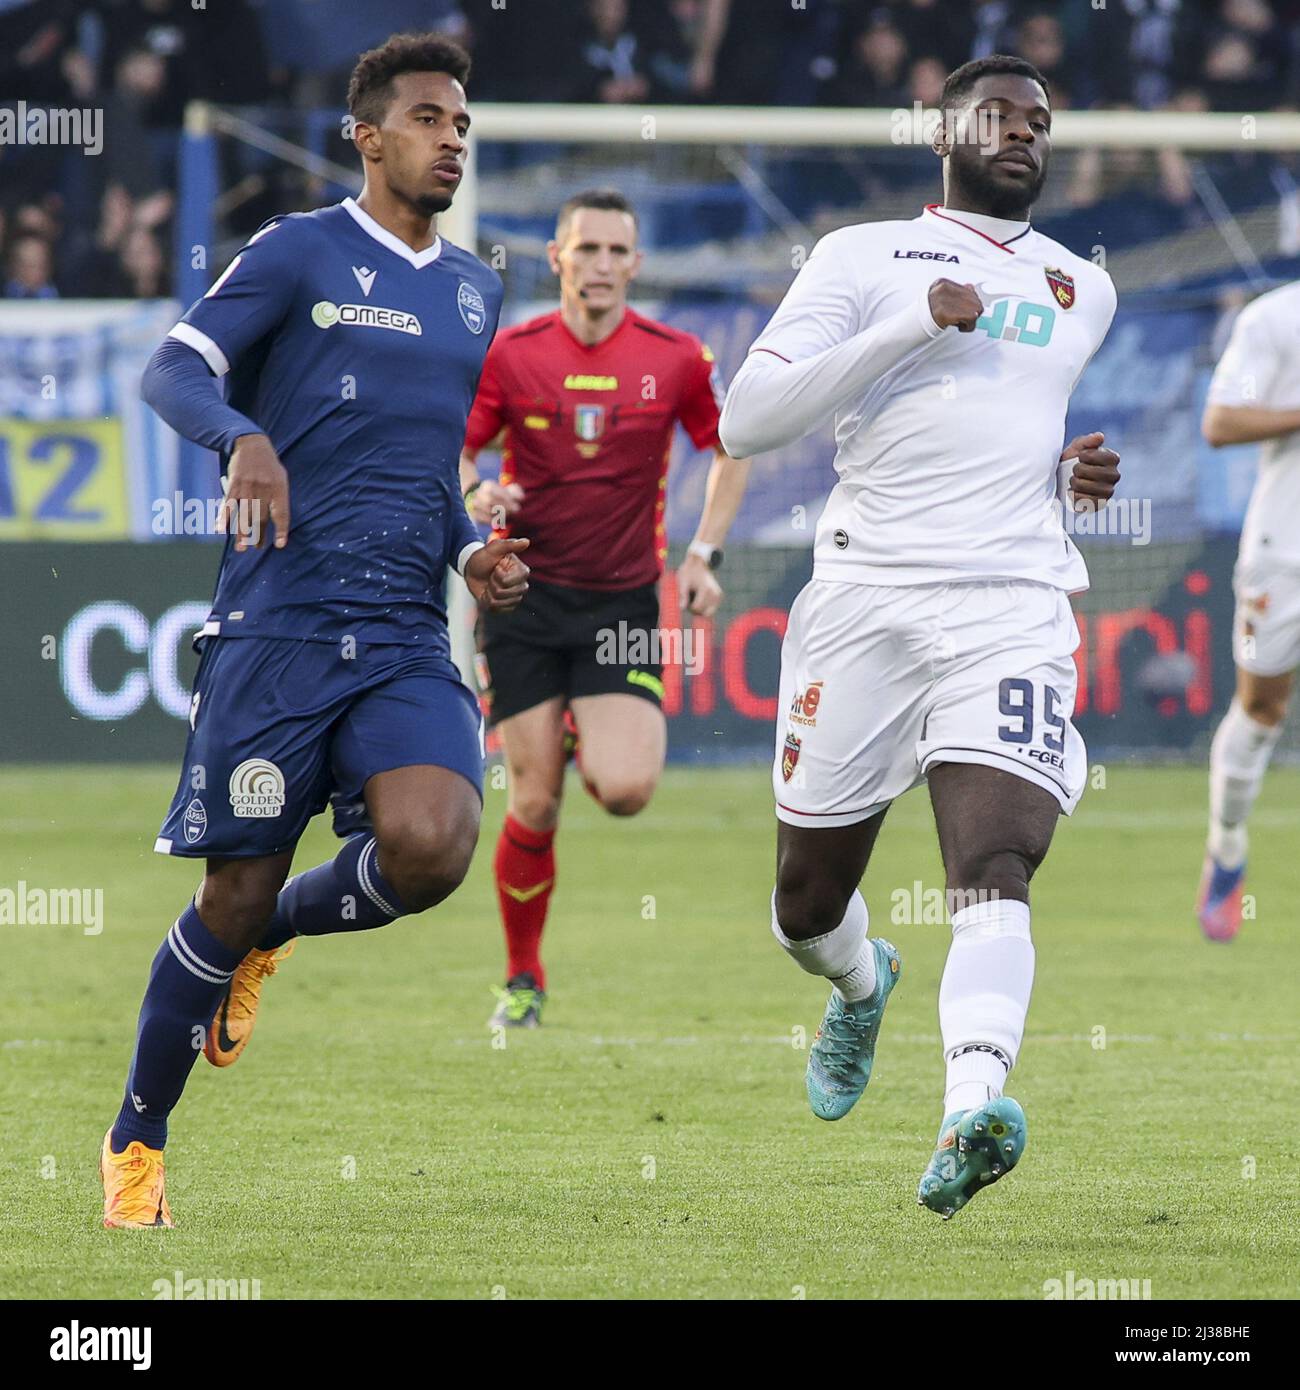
(1261, 367)
(947, 444)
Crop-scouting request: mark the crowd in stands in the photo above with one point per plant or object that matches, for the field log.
(72, 226)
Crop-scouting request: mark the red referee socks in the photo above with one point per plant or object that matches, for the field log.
(525, 874)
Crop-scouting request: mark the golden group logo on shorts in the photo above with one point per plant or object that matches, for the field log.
(257, 789)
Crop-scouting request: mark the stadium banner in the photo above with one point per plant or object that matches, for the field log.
(98, 659)
(81, 456)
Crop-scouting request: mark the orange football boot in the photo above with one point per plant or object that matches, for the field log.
(232, 1024)
(135, 1197)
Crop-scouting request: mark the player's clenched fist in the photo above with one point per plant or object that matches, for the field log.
(1095, 473)
(257, 493)
(955, 306)
(496, 576)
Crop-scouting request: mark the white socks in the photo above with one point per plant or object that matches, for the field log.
(1238, 758)
(844, 956)
(983, 1000)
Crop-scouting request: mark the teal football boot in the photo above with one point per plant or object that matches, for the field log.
(839, 1061)
(975, 1149)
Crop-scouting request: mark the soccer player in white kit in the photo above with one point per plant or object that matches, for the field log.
(1255, 396)
(935, 640)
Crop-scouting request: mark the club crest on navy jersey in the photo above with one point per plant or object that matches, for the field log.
(471, 306)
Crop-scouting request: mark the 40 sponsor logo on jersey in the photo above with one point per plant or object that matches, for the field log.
(326, 314)
(257, 789)
(1031, 325)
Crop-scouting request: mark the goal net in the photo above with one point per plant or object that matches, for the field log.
(1192, 214)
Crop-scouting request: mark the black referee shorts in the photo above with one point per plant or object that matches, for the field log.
(570, 642)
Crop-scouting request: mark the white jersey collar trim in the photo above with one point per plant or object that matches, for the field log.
(419, 259)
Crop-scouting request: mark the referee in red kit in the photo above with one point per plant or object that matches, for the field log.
(583, 402)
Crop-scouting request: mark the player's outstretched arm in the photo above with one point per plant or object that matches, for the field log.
(178, 385)
(723, 493)
(489, 503)
(1246, 424)
(496, 576)
(813, 359)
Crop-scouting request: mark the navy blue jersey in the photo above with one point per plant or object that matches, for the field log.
(359, 358)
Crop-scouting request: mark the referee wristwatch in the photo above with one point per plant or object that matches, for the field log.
(710, 554)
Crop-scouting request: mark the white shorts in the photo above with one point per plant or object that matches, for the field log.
(1266, 624)
(880, 683)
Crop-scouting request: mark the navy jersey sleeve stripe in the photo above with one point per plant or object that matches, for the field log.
(252, 296)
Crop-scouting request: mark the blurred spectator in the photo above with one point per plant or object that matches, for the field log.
(1141, 51)
(873, 71)
(36, 38)
(1245, 57)
(133, 157)
(1041, 40)
(681, 39)
(116, 259)
(143, 265)
(73, 225)
(994, 28)
(776, 54)
(946, 35)
(925, 81)
(29, 268)
(211, 53)
(612, 65)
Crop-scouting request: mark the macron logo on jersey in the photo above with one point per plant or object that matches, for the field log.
(365, 278)
(325, 314)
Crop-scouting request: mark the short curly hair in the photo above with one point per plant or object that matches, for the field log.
(957, 86)
(371, 84)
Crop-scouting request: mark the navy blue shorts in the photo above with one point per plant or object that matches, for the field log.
(276, 725)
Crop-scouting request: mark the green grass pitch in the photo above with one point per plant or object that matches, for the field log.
(652, 1139)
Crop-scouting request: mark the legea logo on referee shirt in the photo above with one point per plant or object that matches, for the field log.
(325, 314)
(257, 789)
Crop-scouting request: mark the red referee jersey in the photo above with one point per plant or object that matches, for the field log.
(588, 432)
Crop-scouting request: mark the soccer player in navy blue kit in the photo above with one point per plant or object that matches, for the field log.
(353, 338)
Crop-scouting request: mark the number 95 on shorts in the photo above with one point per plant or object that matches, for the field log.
(880, 683)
